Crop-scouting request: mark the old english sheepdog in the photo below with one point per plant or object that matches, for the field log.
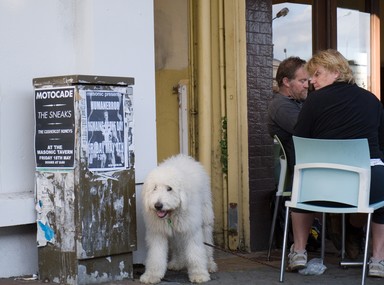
(178, 215)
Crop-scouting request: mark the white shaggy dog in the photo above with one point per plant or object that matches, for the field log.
(178, 216)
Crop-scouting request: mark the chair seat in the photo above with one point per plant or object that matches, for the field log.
(325, 209)
(341, 209)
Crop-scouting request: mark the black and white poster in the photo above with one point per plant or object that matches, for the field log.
(105, 130)
(55, 127)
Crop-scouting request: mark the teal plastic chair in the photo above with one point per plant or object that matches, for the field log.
(331, 176)
(281, 192)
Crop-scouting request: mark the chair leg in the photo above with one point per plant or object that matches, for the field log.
(366, 249)
(343, 237)
(282, 268)
(274, 218)
(323, 238)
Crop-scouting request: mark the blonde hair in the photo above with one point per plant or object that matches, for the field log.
(333, 61)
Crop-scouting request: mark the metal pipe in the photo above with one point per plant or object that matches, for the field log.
(223, 111)
(204, 83)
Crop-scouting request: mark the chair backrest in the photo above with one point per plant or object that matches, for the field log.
(282, 154)
(283, 168)
(331, 172)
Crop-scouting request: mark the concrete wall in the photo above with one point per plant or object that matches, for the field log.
(52, 38)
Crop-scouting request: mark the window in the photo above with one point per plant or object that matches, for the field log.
(353, 41)
(352, 27)
(292, 34)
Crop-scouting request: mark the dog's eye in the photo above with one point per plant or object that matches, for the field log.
(169, 188)
(155, 188)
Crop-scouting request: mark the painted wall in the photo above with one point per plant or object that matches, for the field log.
(52, 38)
(171, 44)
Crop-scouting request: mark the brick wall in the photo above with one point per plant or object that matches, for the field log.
(259, 89)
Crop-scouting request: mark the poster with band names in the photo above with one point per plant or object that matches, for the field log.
(54, 127)
(105, 130)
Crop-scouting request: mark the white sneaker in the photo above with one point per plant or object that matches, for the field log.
(297, 260)
(376, 268)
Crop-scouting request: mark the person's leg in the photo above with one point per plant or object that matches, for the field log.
(301, 225)
(376, 265)
(377, 241)
(376, 195)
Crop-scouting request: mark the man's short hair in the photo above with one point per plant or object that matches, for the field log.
(288, 68)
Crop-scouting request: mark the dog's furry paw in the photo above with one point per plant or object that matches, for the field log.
(149, 279)
(212, 267)
(199, 278)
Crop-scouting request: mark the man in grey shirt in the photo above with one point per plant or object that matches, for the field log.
(284, 108)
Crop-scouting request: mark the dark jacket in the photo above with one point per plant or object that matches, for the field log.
(343, 111)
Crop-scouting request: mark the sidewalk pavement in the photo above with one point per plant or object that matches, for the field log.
(251, 268)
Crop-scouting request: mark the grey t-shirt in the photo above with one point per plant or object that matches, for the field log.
(283, 112)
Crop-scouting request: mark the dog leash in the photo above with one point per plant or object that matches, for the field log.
(242, 256)
(169, 221)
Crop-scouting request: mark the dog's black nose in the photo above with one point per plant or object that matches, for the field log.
(158, 206)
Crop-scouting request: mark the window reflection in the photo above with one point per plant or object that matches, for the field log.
(353, 41)
(292, 34)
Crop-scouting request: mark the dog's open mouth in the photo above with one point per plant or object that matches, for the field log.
(162, 214)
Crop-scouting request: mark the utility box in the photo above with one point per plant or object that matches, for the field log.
(85, 178)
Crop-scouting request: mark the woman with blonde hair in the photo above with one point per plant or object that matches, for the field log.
(339, 109)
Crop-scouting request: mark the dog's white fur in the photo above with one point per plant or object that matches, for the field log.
(178, 215)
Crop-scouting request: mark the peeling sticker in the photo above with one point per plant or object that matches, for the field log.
(55, 209)
(118, 205)
(93, 277)
(123, 273)
(47, 230)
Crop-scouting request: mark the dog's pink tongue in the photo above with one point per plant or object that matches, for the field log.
(161, 214)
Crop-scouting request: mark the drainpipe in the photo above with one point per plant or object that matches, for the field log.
(223, 112)
(204, 83)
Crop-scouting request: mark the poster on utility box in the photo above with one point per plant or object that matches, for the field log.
(54, 127)
(105, 130)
